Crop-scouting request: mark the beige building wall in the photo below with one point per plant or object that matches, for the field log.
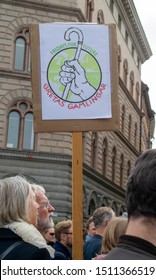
(50, 148)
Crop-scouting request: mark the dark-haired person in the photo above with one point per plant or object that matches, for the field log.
(63, 243)
(90, 229)
(139, 242)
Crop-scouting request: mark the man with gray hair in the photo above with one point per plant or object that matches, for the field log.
(101, 218)
(45, 211)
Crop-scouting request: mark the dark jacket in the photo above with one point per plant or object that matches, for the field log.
(24, 251)
(92, 247)
(61, 252)
(132, 248)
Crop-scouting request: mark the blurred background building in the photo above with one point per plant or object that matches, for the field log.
(45, 158)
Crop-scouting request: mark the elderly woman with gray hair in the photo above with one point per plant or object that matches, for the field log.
(19, 237)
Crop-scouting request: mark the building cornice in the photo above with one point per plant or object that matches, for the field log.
(53, 8)
(37, 156)
(62, 159)
(133, 23)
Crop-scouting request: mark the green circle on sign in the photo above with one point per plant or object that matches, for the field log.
(86, 61)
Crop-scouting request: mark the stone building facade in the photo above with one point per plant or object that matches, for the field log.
(45, 158)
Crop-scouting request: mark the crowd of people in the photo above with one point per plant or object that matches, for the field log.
(27, 230)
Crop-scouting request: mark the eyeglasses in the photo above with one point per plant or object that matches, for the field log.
(45, 205)
(67, 232)
(52, 234)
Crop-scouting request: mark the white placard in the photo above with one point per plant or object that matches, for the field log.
(75, 71)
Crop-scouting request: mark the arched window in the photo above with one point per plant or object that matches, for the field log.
(94, 141)
(100, 17)
(114, 154)
(128, 168)
(89, 10)
(137, 94)
(135, 135)
(104, 156)
(22, 51)
(123, 119)
(119, 22)
(121, 169)
(112, 6)
(125, 71)
(126, 37)
(131, 83)
(92, 207)
(119, 58)
(129, 127)
(20, 126)
(114, 207)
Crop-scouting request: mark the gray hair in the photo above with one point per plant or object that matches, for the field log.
(37, 188)
(14, 200)
(42, 224)
(101, 215)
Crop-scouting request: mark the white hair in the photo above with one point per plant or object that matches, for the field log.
(14, 200)
(37, 188)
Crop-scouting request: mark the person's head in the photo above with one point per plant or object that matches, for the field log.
(90, 227)
(116, 227)
(45, 208)
(17, 201)
(49, 234)
(101, 218)
(141, 186)
(63, 233)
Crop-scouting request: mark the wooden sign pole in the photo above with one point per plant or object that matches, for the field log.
(77, 196)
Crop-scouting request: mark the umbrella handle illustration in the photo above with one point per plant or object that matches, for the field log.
(67, 36)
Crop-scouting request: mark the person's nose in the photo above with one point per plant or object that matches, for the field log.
(50, 208)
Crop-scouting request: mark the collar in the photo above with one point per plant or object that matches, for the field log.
(137, 242)
(30, 234)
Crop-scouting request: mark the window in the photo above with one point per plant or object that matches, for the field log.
(131, 82)
(113, 163)
(100, 17)
(135, 135)
(121, 169)
(104, 156)
(138, 62)
(119, 58)
(119, 22)
(94, 149)
(132, 50)
(126, 37)
(125, 71)
(20, 126)
(123, 119)
(92, 207)
(137, 94)
(114, 207)
(112, 6)
(89, 10)
(129, 127)
(22, 51)
(128, 168)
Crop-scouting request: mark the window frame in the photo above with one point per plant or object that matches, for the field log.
(23, 34)
(22, 114)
